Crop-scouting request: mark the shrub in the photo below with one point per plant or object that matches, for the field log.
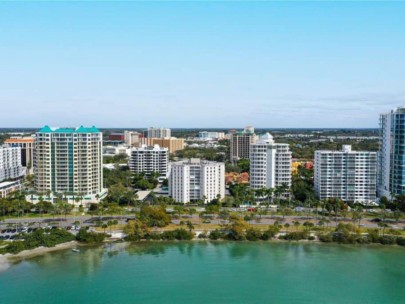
(270, 233)
(216, 234)
(295, 236)
(168, 235)
(387, 240)
(89, 237)
(373, 235)
(14, 247)
(38, 238)
(253, 234)
(183, 234)
(326, 238)
(202, 235)
(153, 236)
(401, 241)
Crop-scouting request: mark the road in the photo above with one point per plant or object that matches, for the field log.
(87, 220)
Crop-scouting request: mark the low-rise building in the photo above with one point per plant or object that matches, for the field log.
(9, 187)
(116, 150)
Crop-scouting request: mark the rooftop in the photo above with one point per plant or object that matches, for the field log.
(81, 129)
(19, 140)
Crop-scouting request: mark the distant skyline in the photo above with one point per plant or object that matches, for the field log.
(201, 64)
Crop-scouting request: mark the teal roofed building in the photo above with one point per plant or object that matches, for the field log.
(69, 161)
(81, 129)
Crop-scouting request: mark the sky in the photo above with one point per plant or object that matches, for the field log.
(201, 64)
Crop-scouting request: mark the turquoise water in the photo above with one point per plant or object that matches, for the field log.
(204, 272)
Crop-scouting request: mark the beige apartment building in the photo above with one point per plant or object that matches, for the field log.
(173, 144)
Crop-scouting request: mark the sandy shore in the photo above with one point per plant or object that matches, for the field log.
(35, 252)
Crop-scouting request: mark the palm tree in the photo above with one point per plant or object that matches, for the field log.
(104, 226)
(269, 194)
(316, 205)
(286, 226)
(190, 226)
(383, 226)
(357, 215)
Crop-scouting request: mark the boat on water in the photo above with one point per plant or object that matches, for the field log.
(75, 250)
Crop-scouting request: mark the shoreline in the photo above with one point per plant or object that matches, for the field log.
(37, 251)
(26, 254)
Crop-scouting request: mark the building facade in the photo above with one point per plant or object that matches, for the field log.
(27, 150)
(7, 188)
(348, 175)
(149, 159)
(270, 163)
(159, 132)
(173, 144)
(391, 156)
(132, 138)
(10, 163)
(197, 179)
(116, 136)
(240, 144)
(69, 161)
(206, 135)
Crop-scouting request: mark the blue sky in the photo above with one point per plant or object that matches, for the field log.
(201, 64)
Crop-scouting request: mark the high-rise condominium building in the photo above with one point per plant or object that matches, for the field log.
(197, 179)
(69, 161)
(240, 143)
(173, 144)
(159, 132)
(270, 163)
(348, 175)
(391, 156)
(10, 162)
(149, 159)
(27, 150)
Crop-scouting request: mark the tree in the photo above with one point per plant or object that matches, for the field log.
(244, 165)
(397, 215)
(111, 223)
(308, 225)
(136, 230)
(383, 226)
(154, 216)
(236, 228)
(190, 225)
(191, 211)
(269, 194)
(357, 215)
(104, 226)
